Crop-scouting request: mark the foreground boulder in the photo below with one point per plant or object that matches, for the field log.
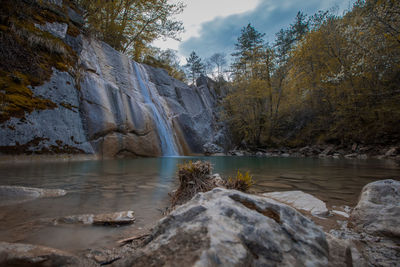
(378, 210)
(12, 254)
(229, 228)
(16, 194)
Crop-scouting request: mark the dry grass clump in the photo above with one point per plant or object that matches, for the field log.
(194, 178)
(240, 182)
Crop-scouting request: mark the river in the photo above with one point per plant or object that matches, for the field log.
(142, 185)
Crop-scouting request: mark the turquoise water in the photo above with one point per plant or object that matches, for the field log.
(142, 185)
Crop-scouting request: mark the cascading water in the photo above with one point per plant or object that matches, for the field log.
(164, 128)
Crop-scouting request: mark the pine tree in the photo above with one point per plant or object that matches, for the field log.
(194, 66)
(249, 47)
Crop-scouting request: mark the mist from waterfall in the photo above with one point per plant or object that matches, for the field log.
(152, 100)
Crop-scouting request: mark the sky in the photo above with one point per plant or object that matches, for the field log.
(213, 26)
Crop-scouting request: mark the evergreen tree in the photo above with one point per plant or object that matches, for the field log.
(194, 66)
(249, 47)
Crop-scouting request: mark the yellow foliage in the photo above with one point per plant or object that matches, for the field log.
(241, 182)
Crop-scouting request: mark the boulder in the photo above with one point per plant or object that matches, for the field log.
(229, 228)
(116, 218)
(300, 200)
(15, 254)
(210, 148)
(378, 210)
(17, 194)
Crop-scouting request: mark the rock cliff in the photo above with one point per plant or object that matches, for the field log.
(104, 103)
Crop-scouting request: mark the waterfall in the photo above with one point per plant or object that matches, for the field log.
(152, 100)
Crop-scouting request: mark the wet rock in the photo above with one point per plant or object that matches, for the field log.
(349, 156)
(300, 200)
(17, 194)
(229, 228)
(378, 210)
(116, 218)
(15, 254)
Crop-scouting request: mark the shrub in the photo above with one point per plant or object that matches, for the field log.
(241, 182)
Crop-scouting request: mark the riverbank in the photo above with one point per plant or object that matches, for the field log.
(325, 151)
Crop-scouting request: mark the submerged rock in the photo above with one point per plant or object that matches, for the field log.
(116, 218)
(229, 228)
(15, 254)
(300, 200)
(378, 210)
(17, 194)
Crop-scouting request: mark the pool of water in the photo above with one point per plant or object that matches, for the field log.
(142, 185)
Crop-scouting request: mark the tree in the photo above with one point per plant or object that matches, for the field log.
(194, 66)
(249, 46)
(130, 25)
(218, 60)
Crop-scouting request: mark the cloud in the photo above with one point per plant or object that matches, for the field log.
(220, 34)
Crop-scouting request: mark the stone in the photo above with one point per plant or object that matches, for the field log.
(17, 194)
(354, 147)
(343, 253)
(16, 254)
(349, 156)
(230, 228)
(259, 154)
(391, 152)
(328, 150)
(75, 17)
(378, 210)
(55, 2)
(210, 148)
(362, 156)
(300, 200)
(341, 213)
(116, 218)
(56, 29)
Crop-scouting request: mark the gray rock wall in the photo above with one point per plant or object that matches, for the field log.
(101, 110)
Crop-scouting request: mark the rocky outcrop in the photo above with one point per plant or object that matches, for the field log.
(378, 210)
(17, 194)
(108, 105)
(229, 228)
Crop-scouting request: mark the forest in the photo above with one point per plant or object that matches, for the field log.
(327, 78)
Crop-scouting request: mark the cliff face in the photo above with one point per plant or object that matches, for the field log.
(109, 105)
